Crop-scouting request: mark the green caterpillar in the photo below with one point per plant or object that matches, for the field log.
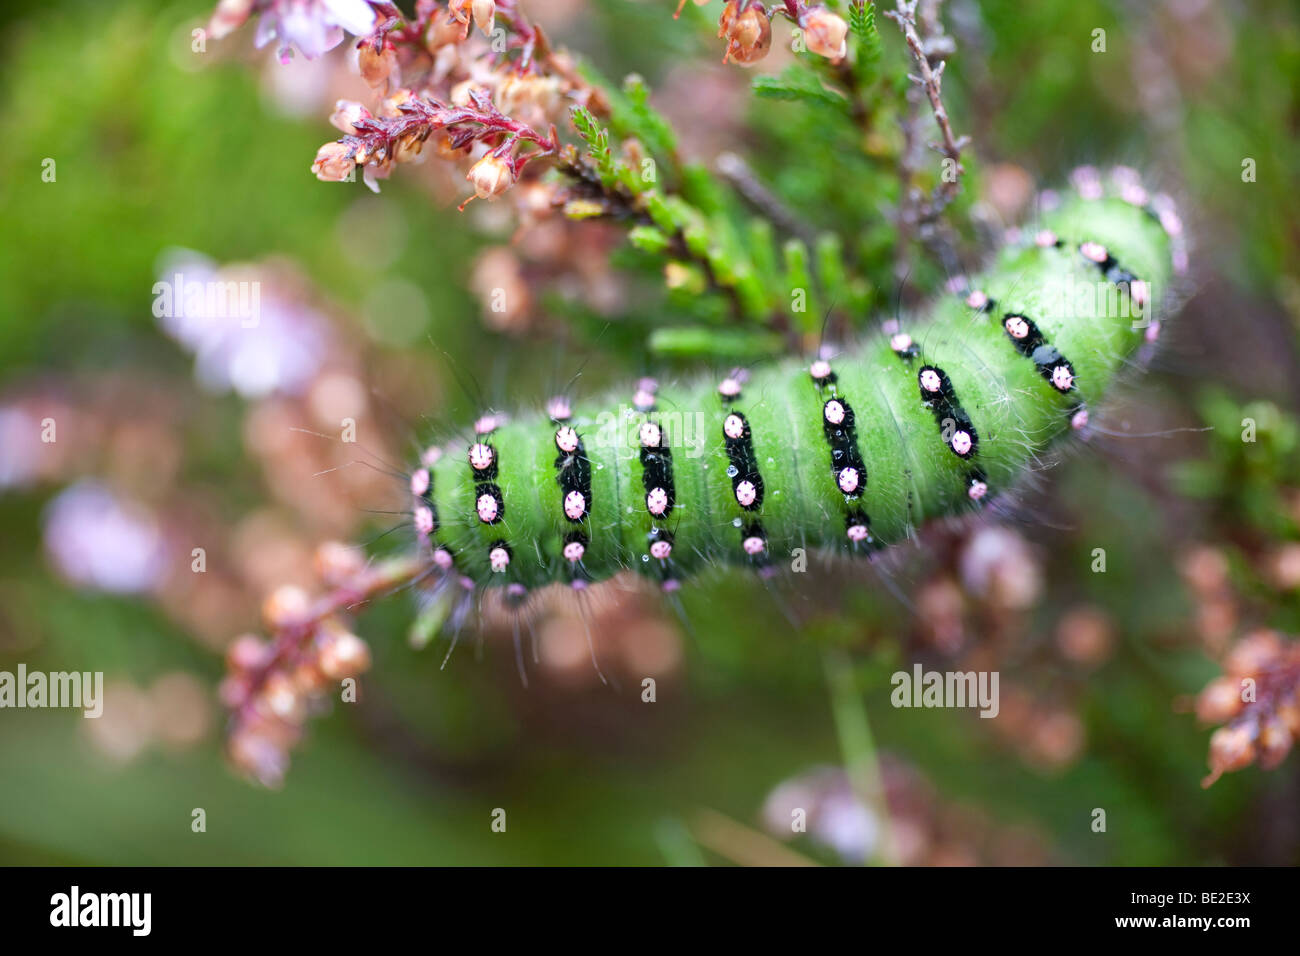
(849, 454)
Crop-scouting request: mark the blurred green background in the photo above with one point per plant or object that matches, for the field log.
(158, 148)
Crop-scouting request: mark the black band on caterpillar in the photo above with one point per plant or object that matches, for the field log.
(568, 443)
(499, 556)
(978, 300)
(575, 549)
(1030, 342)
(849, 471)
(938, 395)
(946, 407)
(857, 528)
(489, 502)
(840, 428)
(1110, 268)
(573, 474)
(656, 457)
(746, 482)
(742, 469)
(753, 539)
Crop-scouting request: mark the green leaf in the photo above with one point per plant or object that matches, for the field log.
(800, 84)
(862, 25)
(612, 172)
(660, 211)
(798, 277)
(634, 116)
(648, 239)
(731, 344)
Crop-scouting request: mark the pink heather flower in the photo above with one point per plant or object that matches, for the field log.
(346, 113)
(313, 27)
(96, 540)
(825, 33)
(835, 818)
(491, 176)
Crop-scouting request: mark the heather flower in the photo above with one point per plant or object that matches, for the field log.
(274, 686)
(334, 162)
(1259, 697)
(345, 115)
(825, 33)
(491, 176)
(102, 542)
(748, 32)
(836, 818)
(376, 65)
(313, 27)
(998, 566)
(485, 14)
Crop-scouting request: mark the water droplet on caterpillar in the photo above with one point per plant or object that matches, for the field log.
(732, 471)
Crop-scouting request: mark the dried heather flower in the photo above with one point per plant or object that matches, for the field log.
(247, 652)
(1085, 635)
(825, 33)
(1231, 748)
(341, 653)
(485, 15)
(1259, 695)
(272, 687)
(1252, 654)
(748, 32)
(336, 562)
(1274, 741)
(1219, 701)
(285, 607)
(491, 176)
(334, 162)
(377, 62)
(346, 114)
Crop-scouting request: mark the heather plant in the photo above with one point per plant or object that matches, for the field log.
(527, 215)
(489, 98)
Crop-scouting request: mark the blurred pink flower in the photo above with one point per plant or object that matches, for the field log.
(313, 26)
(832, 814)
(99, 541)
